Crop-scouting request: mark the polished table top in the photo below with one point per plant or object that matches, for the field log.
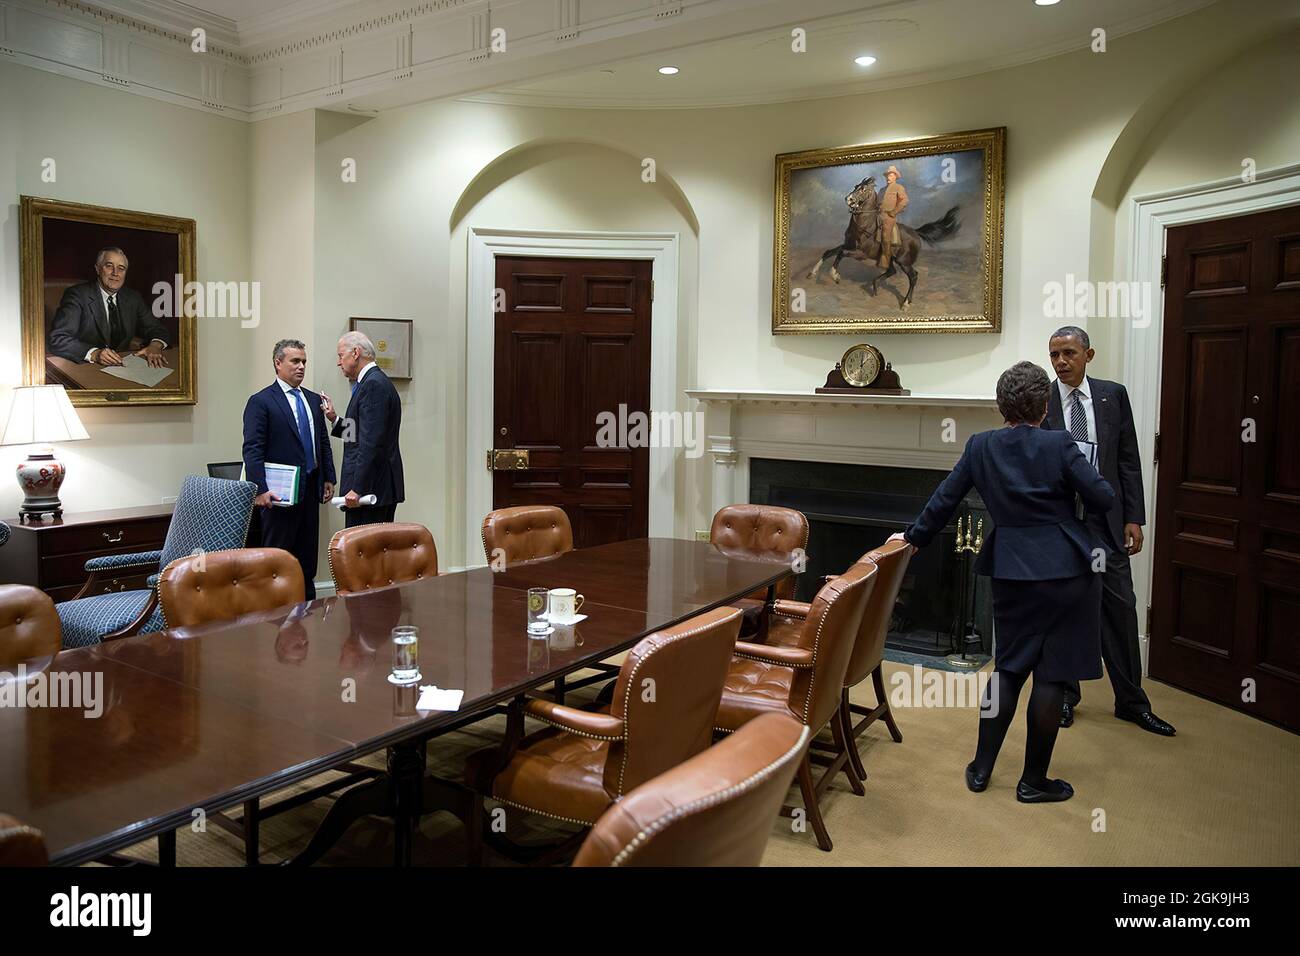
(212, 716)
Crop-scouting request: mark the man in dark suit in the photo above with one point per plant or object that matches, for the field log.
(284, 423)
(372, 460)
(1095, 410)
(98, 321)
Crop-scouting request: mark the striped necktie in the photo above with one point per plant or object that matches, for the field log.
(1078, 418)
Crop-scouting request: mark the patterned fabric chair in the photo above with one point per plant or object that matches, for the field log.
(4, 533)
(211, 514)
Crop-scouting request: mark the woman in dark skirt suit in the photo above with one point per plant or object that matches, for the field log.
(1046, 596)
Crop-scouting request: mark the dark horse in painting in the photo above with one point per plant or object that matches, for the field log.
(862, 239)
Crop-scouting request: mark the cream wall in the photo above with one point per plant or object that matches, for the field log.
(115, 149)
(1068, 119)
(1179, 103)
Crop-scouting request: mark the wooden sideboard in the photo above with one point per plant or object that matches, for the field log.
(52, 554)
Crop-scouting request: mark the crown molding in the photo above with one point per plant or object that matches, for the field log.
(391, 53)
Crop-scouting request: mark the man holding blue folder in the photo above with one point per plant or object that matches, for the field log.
(1097, 411)
(284, 425)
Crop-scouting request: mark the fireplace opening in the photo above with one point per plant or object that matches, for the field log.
(854, 508)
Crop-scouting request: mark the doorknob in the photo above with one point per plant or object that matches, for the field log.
(507, 459)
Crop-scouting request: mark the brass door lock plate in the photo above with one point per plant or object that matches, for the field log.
(507, 459)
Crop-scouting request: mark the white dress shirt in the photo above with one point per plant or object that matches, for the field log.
(364, 369)
(1085, 396)
(103, 296)
(306, 402)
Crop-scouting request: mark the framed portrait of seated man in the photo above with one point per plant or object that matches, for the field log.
(103, 303)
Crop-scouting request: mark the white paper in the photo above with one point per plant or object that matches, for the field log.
(342, 503)
(1089, 450)
(135, 369)
(435, 698)
(281, 480)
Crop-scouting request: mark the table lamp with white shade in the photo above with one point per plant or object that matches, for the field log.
(41, 415)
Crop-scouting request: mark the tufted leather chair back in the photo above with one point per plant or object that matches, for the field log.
(891, 560)
(223, 585)
(716, 809)
(831, 631)
(377, 555)
(667, 693)
(29, 625)
(20, 845)
(527, 532)
(762, 532)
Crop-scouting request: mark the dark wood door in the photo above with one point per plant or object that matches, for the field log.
(573, 342)
(1226, 597)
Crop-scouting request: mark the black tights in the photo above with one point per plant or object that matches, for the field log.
(1043, 717)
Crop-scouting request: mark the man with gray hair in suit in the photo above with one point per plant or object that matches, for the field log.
(372, 460)
(104, 320)
(1095, 410)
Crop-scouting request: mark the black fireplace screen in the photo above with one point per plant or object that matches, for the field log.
(852, 509)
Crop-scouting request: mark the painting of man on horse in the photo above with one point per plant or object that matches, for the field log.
(919, 239)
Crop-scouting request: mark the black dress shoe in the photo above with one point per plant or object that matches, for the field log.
(976, 782)
(1149, 722)
(1067, 714)
(1059, 790)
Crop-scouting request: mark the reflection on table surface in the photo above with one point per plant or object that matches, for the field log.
(205, 717)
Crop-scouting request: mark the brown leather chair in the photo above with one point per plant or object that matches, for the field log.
(891, 558)
(223, 585)
(585, 761)
(805, 681)
(376, 555)
(21, 845)
(29, 625)
(763, 533)
(220, 586)
(716, 809)
(526, 533)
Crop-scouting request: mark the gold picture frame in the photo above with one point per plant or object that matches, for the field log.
(58, 244)
(952, 250)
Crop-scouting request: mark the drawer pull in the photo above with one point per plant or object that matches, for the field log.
(112, 540)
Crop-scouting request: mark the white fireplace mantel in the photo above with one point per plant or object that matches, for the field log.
(901, 431)
(747, 396)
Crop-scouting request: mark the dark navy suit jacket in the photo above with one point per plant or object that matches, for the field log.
(1117, 452)
(372, 460)
(1028, 478)
(271, 434)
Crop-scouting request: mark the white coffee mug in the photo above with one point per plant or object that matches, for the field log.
(565, 604)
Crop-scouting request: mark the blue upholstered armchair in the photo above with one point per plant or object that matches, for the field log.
(4, 533)
(211, 514)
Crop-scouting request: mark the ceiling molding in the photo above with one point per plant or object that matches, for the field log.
(379, 55)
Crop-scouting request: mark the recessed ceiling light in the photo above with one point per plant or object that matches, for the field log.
(1046, 3)
(864, 60)
(668, 70)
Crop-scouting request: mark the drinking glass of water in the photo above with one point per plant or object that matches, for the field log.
(406, 653)
(538, 599)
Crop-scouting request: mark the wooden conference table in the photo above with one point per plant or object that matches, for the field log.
(212, 717)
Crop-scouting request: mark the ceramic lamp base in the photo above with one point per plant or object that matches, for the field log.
(40, 477)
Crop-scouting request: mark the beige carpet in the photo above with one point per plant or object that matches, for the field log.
(1223, 792)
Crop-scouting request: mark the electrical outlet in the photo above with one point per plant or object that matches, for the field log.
(701, 536)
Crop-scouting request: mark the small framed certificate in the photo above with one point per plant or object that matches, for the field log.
(392, 338)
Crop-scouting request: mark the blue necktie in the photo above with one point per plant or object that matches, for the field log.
(354, 386)
(304, 430)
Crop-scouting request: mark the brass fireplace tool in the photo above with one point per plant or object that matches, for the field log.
(966, 632)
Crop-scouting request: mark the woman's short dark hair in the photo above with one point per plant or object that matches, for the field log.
(1022, 393)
